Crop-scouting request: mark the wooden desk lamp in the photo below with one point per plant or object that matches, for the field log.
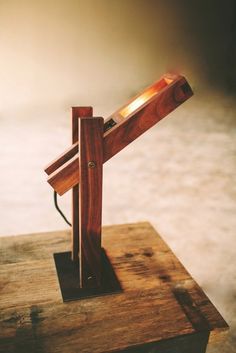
(86, 270)
(152, 303)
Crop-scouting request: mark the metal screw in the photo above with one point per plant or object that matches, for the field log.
(91, 164)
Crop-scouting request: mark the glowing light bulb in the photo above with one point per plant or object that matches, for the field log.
(137, 103)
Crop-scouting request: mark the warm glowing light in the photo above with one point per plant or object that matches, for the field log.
(137, 103)
(168, 80)
(140, 101)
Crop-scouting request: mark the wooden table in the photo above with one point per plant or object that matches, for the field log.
(161, 308)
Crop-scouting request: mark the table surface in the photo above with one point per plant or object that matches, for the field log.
(159, 300)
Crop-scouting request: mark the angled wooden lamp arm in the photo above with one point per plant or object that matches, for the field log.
(128, 130)
(72, 150)
(171, 95)
(62, 159)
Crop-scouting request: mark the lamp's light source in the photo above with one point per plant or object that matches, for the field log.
(138, 102)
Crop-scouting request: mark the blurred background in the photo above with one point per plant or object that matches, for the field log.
(180, 175)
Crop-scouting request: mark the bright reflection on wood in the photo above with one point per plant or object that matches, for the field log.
(141, 100)
(137, 103)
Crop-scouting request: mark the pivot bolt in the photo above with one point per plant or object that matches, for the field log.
(91, 164)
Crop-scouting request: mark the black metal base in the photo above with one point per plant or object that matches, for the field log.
(68, 276)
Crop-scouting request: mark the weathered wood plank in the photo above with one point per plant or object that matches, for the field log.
(97, 325)
(160, 304)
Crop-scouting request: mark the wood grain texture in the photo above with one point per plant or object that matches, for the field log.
(90, 200)
(62, 159)
(161, 306)
(65, 177)
(77, 113)
(127, 130)
(72, 150)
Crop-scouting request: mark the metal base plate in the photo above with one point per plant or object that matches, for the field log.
(68, 276)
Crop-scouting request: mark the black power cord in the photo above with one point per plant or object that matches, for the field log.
(59, 210)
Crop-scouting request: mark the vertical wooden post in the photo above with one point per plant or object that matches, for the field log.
(77, 112)
(90, 200)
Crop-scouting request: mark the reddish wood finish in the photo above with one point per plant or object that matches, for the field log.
(62, 159)
(127, 130)
(77, 112)
(90, 200)
(65, 177)
(72, 150)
